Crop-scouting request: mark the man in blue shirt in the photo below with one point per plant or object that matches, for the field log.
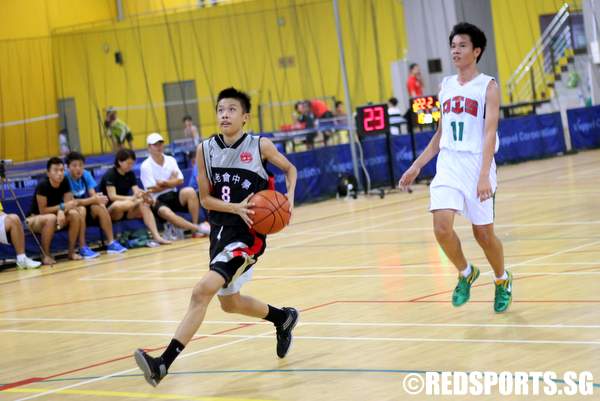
(83, 187)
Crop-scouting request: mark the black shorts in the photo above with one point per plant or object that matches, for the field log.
(234, 249)
(170, 200)
(89, 219)
(310, 137)
(128, 138)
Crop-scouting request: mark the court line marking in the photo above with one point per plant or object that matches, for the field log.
(309, 231)
(129, 394)
(435, 265)
(468, 227)
(204, 244)
(328, 323)
(181, 288)
(106, 260)
(79, 301)
(516, 265)
(195, 338)
(370, 208)
(513, 265)
(82, 383)
(330, 338)
(350, 276)
(297, 370)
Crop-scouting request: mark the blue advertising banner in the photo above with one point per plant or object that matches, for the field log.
(530, 137)
(584, 127)
(319, 170)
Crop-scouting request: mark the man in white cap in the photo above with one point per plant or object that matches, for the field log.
(161, 176)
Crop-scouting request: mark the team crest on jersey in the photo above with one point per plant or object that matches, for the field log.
(460, 104)
(246, 157)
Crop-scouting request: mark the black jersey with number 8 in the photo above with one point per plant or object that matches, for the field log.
(234, 172)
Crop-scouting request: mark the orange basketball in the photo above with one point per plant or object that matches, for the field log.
(271, 211)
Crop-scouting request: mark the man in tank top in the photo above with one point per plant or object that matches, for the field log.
(465, 180)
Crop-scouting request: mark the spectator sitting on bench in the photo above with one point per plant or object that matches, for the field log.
(83, 188)
(54, 208)
(161, 176)
(305, 119)
(125, 198)
(11, 224)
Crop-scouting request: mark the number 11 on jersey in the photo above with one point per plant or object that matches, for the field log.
(461, 126)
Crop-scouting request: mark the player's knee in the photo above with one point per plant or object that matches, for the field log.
(50, 219)
(202, 294)
(484, 237)
(229, 305)
(166, 213)
(188, 192)
(442, 230)
(12, 220)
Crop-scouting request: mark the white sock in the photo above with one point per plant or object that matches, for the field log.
(466, 271)
(21, 257)
(503, 277)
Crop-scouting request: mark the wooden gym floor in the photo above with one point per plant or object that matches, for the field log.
(373, 288)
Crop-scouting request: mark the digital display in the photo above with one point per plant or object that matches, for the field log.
(426, 109)
(372, 119)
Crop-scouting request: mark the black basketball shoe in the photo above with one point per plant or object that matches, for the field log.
(154, 368)
(284, 332)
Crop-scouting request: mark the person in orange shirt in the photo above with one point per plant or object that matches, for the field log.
(414, 83)
(320, 110)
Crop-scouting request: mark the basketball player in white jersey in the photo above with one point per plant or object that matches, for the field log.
(465, 180)
(231, 168)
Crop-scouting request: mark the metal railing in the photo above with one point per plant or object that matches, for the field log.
(531, 80)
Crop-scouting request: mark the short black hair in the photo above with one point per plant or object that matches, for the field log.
(72, 156)
(187, 117)
(393, 101)
(122, 155)
(232, 93)
(52, 161)
(477, 36)
(413, 65)
(338, 103)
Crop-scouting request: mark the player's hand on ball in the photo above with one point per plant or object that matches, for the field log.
(409, 176)
(484, 189)
(290, 198)
(244, 210)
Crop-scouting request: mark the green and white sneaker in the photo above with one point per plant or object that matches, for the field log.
(503, 297)
(462, 292)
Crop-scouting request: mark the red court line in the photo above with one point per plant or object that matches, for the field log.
(527, 301)
(129, 356)
(120, 358)
(21, 383)
(80, 301)
(514, 279)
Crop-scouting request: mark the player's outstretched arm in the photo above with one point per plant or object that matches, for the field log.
(273, 156)
(243, 209)
(432, 149)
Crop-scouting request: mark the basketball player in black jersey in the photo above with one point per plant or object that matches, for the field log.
(231, 168)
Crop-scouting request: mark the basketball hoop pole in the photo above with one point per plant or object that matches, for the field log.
(349, 123)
